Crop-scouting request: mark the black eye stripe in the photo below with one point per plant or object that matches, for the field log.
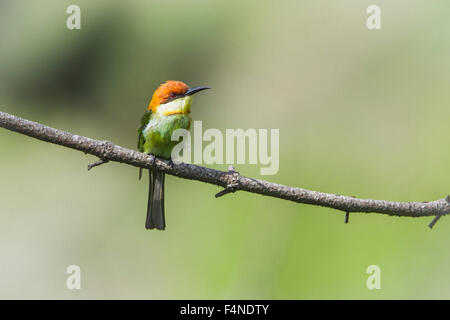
(173, 96)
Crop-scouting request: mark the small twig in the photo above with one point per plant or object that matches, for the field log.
(233, 186)
(97, 163)
(435, 220)
(347, 215)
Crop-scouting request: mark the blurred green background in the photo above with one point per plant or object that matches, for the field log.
(362, 113)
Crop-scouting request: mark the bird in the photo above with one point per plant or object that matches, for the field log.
(168, 110)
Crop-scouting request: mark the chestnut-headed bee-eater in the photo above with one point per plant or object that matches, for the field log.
(168, 111)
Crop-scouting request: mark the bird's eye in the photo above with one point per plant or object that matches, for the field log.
(173, 95)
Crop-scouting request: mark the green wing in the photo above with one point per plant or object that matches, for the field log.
(141, 141)
(144, 121)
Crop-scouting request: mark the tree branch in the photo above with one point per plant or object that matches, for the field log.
(230, 180)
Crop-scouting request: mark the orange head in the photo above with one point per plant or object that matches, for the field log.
(169, 91)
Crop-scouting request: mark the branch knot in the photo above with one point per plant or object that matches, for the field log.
(444, 212)
(106, 150)
(233, 183)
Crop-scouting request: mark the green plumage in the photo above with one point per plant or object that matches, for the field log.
(155, 134)
(156, 131)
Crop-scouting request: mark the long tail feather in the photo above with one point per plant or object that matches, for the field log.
(155, 207)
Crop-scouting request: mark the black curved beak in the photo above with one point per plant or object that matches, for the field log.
(191, 91)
